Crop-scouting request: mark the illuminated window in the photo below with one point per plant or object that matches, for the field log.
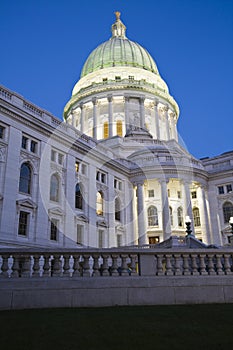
(227, 211)
(23, 223)
(154, 240)
(106, 132)
(180, 217)
(152, 215)
(77, 167)
(196, 217)
(119, 128)
(99, 203)
(54, 188)
(78, 198)
(25, 179)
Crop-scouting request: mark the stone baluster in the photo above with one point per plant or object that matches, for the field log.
(110, 116)
(203, 271)
(66, 266)
(46, 267)
(133, 258)
(96, 266)
(211, 270)
(177, 264)
(160, 270)
(105, 265)
(194, 265)
(94, 102)
(86, 265)
(169, 271)
(26, 266)
(76, 266)
(227, 265)
(186, 268)
(56, 266)
(36, 266)
(142, 112)
(15, 267)
(5, 266)
(157, 129)
(114, 267)
(124, 266)
(219, 265)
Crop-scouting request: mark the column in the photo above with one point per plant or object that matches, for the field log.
(156, 119)
(142, 235)
(94, 102)
(204, 215)
(110, 116)
(165, 210)
(81, 117)
(142, 112)
(126, 113)
(172, 124)
(187, 203)
(167, 123)
(72, 118)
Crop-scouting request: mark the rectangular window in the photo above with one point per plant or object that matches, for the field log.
(33, 146)
(24, 142)
(194, 194)
(131, 78)
(117, 78)
(151, 193)
(220, 190)
(229, 188)
(120, 186)
(154, 240)
(2, 130)
(60, 158)
(23, 223)
(53, 155)
(101, 238)
(103, 178)
(115, 183)
(179, 194)
(168, 193)
(105, 80)
(54, 230)
(77, 167)
(79, 234)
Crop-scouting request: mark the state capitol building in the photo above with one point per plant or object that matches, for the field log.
(113, 173)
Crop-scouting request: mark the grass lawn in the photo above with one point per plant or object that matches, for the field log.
(143, 327)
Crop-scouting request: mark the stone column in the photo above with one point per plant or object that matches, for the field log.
(94, 102)
(156, 119)
(204, 215)
(81, 117)
(72, 119)
(188, 203)
(142, 235)
(172, 123)
(167, 123)
(165, 210)
(142, 112)
(110, 116)
(126, 113)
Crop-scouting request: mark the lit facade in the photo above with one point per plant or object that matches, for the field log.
(113, 173)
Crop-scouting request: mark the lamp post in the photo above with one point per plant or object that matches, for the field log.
(231, 223)
(188, 225)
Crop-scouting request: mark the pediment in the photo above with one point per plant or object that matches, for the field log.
(102, 223)
(27, 203)
(56, 211)
(82, 217)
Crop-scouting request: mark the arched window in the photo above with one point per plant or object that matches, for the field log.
(99, 203)
(119, 128)
(117, 209)
(227, 211)
(78, 197)
(171, 215)
(54, 188)
(106, 130)
(25, 178)
(180, 217)
(152, 214)
(196, 217)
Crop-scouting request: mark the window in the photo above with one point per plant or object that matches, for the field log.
(54, 230)
(115, 183)
(101, 238)
(119, 240)
(117, 209)
(78, 198)
(152, 214)
(178, 194)
(101, 177)
(194, 194)
(25, 178)
(54, 188)
(119, 129)
(33, 146)
(131, 78)
(106, 130)
(154, 240)
(168, 193)
(196, 217)
(23, 223)
(60, 158)
(151, 193)
(105, 80)
(171, 215)
(117, 78)
(229, 188)
(53, 156)
(24, 142)
(180, 217)
(79, 234)
(99, 203)
(220, 190)
(2, 131)
(227, 211)
(77, 167)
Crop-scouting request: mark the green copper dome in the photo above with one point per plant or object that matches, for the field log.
(119, 51)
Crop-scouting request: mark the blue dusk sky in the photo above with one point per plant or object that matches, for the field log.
(44, 45)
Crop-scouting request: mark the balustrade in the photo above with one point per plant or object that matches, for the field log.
(114, 263)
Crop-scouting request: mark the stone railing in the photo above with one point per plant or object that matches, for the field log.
(129, 262)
